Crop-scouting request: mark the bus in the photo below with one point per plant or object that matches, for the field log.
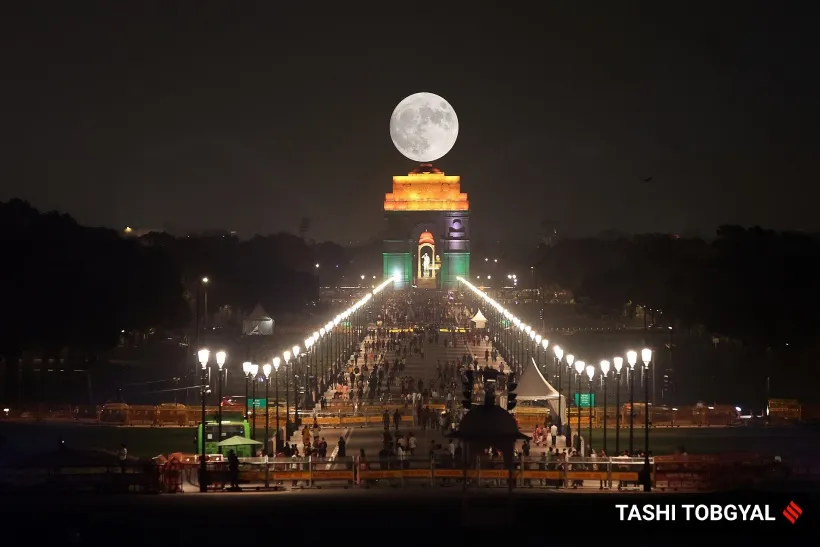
(230, 428)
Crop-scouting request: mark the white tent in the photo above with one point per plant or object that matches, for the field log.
(479, 320)
(532, 386)
(258, 323)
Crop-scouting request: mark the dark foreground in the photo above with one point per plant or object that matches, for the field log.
(360, 517)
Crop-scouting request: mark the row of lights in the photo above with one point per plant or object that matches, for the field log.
(251, 370)
(580, 366)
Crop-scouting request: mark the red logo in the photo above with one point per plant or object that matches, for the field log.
(792, 512)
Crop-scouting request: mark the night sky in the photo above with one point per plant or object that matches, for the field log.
(251, 120)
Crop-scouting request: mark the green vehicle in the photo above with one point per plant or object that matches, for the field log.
(230, 428)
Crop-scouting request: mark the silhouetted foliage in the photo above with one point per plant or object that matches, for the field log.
(65, 285)
(758, 286)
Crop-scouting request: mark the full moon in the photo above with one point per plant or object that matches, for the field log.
(424, 127)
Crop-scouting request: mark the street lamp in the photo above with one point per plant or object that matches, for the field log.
(321, 356)
(308, 346)
(276, 361)
(590, 375)
(254, 373)
(266, 371)
(604, 378)
(296, 351)
(646, 357)
(570, 359)
(286, 356)
(631, 358)
(246, 370)
(559, 354)
(202, 356)
(314, 384)
(220, 362)
(579, 369)
(619, 363)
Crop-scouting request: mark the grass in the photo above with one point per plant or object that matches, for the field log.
(148, 441)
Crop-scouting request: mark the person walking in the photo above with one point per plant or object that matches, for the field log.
(233, 470)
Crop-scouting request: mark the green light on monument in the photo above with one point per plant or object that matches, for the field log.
(400, 264)
(454, 265)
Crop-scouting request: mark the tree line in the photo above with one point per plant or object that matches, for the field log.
(757, 286)
(70, 286)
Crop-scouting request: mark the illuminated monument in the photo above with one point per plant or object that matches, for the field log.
(427, 241)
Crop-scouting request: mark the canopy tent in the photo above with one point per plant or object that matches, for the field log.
(532, 386)
(258, 323)
(238, 440)
(479, 320)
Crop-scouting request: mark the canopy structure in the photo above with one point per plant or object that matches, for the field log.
(258, 323)
(238, 440)
(479, 320)
(532, 386)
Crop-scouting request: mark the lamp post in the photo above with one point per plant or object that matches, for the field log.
(559, 354)
(533, 338)
(631, 358)
(590, 375)
(328, 370)
(619, 363)
(246, 370)
(646, 357)
(604, 378)
(254, 372)
(570, 359)
(276, 362)
(204, 285)
(336, 334)
(579, 369)
(296, 351)
(202, 356)
(266, 371)
(286, 357)
(322, 361)
(308, 354)
(220, 362)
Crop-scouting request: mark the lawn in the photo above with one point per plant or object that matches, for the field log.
(148, 441)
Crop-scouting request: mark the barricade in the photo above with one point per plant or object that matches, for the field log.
(329, 421)
(394, 473)
(354, 421)
(332, 473)
(708, 471)
(619, 472)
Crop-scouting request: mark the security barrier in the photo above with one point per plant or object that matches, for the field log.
(708, 472)
(679, 472)
(177, 415)
(172, 414)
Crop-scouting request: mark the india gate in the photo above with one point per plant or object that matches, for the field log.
(427, 235)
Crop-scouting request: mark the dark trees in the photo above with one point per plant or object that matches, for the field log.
(757, 286)
(65, 285)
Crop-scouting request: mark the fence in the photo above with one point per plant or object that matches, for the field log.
(684, 416)
(705, 473)
(120, 414)
(425, 472)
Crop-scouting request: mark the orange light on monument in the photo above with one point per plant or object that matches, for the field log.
(424, 190)
(426, 237)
